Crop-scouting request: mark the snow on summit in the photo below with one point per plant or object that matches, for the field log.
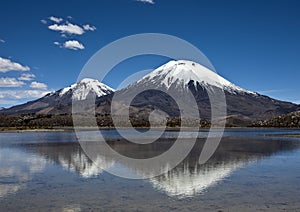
(181, 72)
(81, 89)
(174, 73)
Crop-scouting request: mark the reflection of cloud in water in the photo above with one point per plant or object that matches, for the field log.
(186, 182)
(8, 189)
(17, 168)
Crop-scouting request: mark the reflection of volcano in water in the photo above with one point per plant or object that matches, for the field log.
(72, 158)
(187, 179)
(81, 164)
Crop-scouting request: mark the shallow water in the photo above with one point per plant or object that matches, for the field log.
(249, 171)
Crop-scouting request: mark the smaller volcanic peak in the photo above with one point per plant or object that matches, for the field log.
(60, 102)
(80, 90)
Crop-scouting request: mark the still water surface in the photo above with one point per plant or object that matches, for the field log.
(48, 171)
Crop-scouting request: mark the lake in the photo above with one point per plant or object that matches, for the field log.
(250, 170)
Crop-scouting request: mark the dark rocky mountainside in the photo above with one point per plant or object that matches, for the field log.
(175, 77)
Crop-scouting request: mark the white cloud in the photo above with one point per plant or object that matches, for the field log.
(272, 91)
(55, 19)
(147, 1)
(21, 94)
(8, 102)
(43, 21)
(73, 44)
(8, 65)
(296, 102)
(26, 77)
(10, 82)
(38, 85)
(88, 27)
(67, 28)
(2, 41)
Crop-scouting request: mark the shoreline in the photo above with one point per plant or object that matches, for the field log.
(284, 135)
(168, 129)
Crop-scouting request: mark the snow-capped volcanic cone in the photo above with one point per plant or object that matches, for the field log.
(80, 90)
(60, 102)
(178, 76)
(182, 73)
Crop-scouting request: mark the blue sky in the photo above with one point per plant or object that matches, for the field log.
(45, 44)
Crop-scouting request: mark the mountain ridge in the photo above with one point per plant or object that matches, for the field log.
(243, 106)
(172, 78)
(60, 101)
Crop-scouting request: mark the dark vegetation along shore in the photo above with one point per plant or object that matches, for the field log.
(291, 120)
(50, 121)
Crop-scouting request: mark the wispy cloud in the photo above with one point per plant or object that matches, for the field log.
(147, 1)
(21, 94)
(9, 98)
(57, 43)
(7, 82)
(8, 65)
(38, 85)
(55, 19)
(2, 41)
(73, 44)
(272, 91)
(88, 27)
(297, 102)
(26, 77)
(67, 28)
(5, 102)
(43, 21)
